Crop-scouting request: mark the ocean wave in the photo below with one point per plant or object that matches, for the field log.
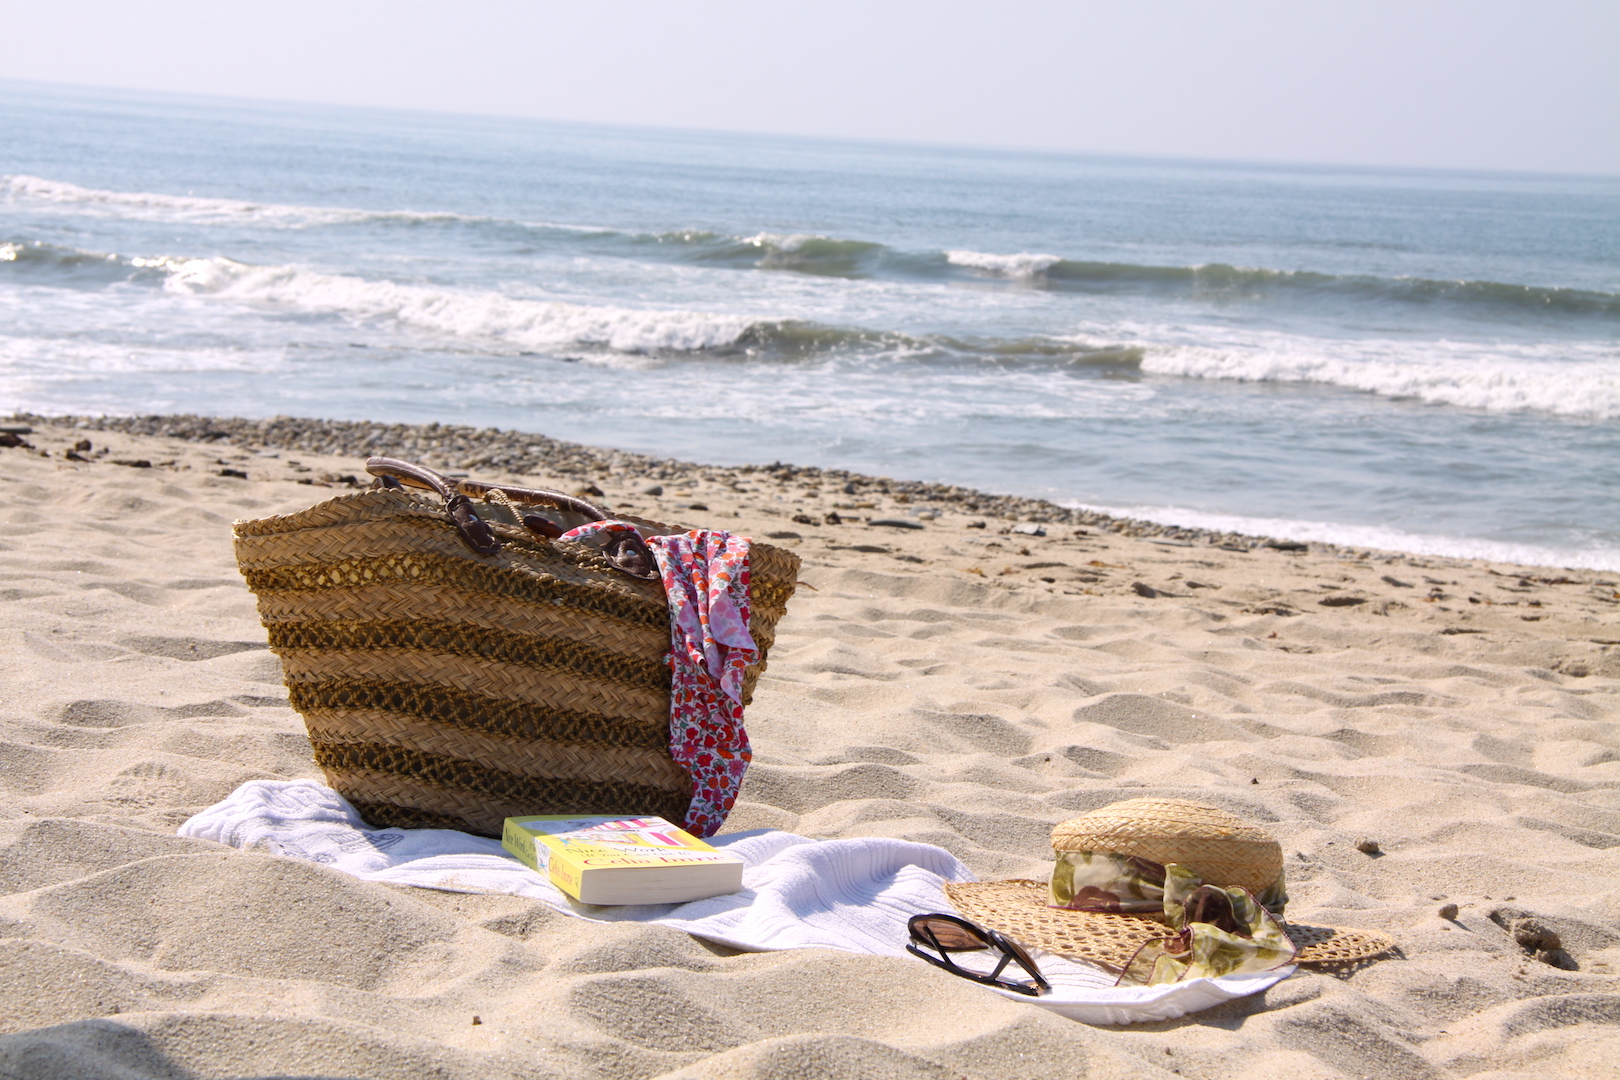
(1024, 265)
(520, 323)
(490, 316)
(152, 206)
(37, 253)
(803, 253)
(552, 324)
(1576, 379)
(679, 238)
(1579, 379)
(1204, 281)
(1376, 537)
(1219, 280)
(832, 256)
(35, 263)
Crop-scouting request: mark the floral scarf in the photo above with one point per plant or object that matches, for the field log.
(705, 576)
(1215, 931)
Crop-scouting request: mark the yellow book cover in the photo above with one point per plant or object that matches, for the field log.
(622, 860)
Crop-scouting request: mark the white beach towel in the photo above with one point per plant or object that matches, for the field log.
(854, 895)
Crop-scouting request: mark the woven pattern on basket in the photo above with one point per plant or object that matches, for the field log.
(1019, 909)
(1217, 846)
(446, 689)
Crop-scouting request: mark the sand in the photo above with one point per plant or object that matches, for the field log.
(961, 686)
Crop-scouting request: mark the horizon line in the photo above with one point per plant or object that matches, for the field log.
(860, 140)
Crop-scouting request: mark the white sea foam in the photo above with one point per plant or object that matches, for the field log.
(1570, 378)
(145, 205)
(787, 243)
(1376, 537)
(1024, 265)
(486, 316)
(26, 359)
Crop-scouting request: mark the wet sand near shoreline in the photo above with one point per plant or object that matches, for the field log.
(968, 676)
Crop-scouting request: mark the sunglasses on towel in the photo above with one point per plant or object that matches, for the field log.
(938, 939)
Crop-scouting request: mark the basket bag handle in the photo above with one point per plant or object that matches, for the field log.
(626, 550)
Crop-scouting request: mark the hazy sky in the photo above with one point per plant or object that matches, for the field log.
(1450, 83)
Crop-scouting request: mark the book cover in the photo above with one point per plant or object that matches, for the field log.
(622, 860)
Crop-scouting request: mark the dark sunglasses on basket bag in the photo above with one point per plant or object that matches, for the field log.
(935, 937)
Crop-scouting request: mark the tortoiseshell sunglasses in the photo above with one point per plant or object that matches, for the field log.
(947, 934)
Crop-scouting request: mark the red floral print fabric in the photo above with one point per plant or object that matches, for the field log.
(705, 574)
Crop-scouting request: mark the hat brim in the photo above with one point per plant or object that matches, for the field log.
(1019, 909)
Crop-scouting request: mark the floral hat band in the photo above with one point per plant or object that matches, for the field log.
(1216, 846)
(1130, 884)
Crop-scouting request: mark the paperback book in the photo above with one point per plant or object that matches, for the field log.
(619, 860)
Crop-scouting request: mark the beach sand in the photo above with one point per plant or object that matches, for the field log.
(960, 686)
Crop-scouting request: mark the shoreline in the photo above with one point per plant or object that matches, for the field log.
(836, 517)
(462, 448)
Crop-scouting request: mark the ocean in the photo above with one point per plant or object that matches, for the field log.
(1418, 360)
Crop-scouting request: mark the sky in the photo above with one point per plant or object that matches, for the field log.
(1471, 84)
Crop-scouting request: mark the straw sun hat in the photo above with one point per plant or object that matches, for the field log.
(1218, 847)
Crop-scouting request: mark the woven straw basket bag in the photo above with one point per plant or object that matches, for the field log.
(455, 665)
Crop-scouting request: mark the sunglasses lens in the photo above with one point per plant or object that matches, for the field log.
(950, 936)
(1018, 952)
